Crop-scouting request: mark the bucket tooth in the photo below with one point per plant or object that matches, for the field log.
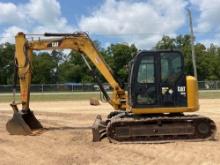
(23, 123)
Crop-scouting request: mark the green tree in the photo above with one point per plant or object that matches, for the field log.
(118, 56)
(214, 62)
(74, 69)
(58, 57)
(60, 68)
(166, 43)
(6, 63)
(44, 68)
(205, 58)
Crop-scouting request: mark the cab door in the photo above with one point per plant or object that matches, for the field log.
(143, 88)
(172, 79)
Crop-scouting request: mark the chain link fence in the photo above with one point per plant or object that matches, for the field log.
(68, 87)
(90, 87)
(209, 85)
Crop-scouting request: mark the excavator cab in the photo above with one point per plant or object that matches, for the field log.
(157, 80)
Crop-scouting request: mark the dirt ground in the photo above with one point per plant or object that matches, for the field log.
(69, 139)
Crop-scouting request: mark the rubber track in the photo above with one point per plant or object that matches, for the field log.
(183, 123)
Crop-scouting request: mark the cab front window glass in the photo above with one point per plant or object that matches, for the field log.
(171, 67)
(146, 70)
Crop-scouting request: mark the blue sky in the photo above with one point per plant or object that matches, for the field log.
(142, 22)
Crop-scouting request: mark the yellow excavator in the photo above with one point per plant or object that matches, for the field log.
(151, 110)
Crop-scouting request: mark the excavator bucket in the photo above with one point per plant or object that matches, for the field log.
(22, 122)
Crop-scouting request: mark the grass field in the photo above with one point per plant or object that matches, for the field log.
(215, 94)
(69, 96)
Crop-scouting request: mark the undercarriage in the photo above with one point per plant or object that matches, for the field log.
(122, 127)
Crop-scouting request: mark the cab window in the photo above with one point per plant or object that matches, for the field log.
(146, 70)
(171, 67)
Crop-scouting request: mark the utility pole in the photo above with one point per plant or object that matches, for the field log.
(192, 43)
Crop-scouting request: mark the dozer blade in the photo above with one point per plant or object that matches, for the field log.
(23, 123)
(98, 129)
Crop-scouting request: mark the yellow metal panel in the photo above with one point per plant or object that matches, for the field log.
(192, 93)
(23, 57)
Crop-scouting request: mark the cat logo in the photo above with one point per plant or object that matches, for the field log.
(55, 44)
(181, 88)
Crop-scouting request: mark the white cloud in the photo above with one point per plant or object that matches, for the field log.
(46, 12)
(8, 34)
(209, 19)
(35, 16)
(208, 42)
(10, 14)
(126, 18)
(213, 39)
(139, 22)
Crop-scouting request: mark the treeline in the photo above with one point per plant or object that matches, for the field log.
(57, 67)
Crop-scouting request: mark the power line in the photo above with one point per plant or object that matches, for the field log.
(7, 36)
(125, 34)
